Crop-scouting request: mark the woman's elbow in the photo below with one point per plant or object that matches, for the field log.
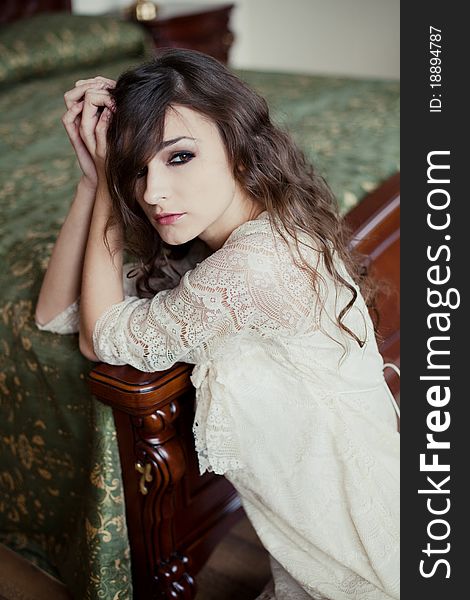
(39, 317)
(41, 323)
(44, 312)
(86, 348)
(38, 321)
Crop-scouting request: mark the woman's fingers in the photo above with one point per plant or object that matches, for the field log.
(101, 129)
(89, 106)
(97, 98)
(97, 107)
(98, 79)
(77, 93)
(94, 101)
(72, 113)
(71, 121)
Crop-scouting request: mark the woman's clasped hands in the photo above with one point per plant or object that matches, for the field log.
(89, 107)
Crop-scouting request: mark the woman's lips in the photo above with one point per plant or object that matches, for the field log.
(169, 219)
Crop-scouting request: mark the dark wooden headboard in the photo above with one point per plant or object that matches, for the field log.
(12, 10)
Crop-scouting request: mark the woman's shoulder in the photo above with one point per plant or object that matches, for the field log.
(267, 235)
(250, 247)
(257, 225)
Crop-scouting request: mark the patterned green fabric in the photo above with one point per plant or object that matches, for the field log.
(61, 496)
(348, 128)
(55, 42)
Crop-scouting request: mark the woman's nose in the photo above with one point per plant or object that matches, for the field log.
(156, 187)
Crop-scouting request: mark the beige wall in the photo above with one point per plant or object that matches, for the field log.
(359, 38)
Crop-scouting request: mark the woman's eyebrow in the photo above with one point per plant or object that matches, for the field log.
(174, 140)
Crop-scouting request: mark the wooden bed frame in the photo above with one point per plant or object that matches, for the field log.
(176, 517)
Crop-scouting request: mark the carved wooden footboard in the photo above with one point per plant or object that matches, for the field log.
(176, 517)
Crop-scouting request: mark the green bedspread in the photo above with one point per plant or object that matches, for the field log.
(348, 128)
(61, 495)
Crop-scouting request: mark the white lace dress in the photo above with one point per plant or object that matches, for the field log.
(307, 436)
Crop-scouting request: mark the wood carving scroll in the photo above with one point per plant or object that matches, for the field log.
(152, 403)
(161, 462)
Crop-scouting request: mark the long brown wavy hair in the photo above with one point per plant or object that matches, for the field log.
(265, 162)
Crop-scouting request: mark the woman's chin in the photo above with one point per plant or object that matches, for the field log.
(175, 239)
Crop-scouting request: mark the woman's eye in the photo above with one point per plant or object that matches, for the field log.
(142, 172)
(180, 158)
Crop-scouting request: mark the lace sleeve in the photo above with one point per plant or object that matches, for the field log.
(243, 285)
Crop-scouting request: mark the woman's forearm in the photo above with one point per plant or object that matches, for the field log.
(102, 273)
(63, 278)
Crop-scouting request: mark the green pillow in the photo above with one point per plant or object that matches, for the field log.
(53, 42)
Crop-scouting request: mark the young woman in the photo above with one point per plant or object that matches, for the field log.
(242, 271)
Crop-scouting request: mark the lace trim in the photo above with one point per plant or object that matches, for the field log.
(213, 429)
(65, 322)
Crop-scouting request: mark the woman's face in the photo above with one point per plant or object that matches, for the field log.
(190, 177)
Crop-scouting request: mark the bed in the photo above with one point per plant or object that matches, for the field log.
(99, 483)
